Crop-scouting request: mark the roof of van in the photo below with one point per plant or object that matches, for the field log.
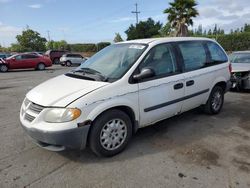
(166, 39)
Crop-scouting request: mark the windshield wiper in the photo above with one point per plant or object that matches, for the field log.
(90, 73)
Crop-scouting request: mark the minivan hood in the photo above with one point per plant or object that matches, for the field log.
(240, 67)
(62, 90)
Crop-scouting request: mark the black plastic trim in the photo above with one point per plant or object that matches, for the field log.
(174, 101)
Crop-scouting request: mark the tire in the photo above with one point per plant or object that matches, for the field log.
(56, 61)
(3, 68)
(68, 64)
(215, 101)
(107, 140)
(40, 66)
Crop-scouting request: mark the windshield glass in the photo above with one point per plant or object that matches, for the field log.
(114, 61)
(241, 58)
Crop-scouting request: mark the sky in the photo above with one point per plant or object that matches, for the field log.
(83, 21)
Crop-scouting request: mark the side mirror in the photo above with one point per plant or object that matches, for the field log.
(13, 58)
(145, 73)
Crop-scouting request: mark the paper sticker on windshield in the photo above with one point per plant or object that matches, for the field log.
(137, 46)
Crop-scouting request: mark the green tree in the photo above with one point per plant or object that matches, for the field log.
(247, 28)
(58, 45)
(31, 40)
(17, 48)
(209, 32)
(166, 30)
(215, 31)
(118, 38)
(199, 30)
(180, 14)
(144, 29)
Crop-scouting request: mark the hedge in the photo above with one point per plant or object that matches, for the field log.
(83, 47)
(232, 42)
(91, 47)
(102, 45)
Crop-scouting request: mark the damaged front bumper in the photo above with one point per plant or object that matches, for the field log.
(240, 80)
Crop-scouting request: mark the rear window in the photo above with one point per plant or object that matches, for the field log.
(217, 54)
(242, 58)
(194, 55)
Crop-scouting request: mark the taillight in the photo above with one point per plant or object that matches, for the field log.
(230, 67)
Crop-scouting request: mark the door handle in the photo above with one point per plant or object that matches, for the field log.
(178, 86)
(190, 83)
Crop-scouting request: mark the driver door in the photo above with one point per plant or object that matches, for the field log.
(160, 96)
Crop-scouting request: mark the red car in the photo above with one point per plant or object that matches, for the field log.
(23, 61)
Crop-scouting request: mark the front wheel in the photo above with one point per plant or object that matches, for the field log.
(3, 68)
(215, 101)
(110, 133)
(68, 63)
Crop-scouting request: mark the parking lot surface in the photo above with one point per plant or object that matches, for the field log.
(190, 150)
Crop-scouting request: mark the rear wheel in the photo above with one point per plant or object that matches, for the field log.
(3, 68)
(40, 66)
(215, 101)
(110, 133)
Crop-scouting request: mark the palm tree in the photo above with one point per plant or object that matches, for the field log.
(180, 15)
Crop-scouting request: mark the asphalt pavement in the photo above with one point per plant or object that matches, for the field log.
(189, 150)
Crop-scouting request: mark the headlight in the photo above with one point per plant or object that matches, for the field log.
(59, 115)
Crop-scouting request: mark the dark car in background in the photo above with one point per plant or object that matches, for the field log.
(4, 55)
(240, 69)
(24, 61)
(70, 59)
(55, 55)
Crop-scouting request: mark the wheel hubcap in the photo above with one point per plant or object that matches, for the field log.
(41, 67)
(217, 101)
(113, 134)
(3, 68)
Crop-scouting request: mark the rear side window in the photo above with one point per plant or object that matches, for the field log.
(30, 56)
(194, 55)
(217, 54)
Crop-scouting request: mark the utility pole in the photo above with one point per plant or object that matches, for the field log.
(48, 35)
(136, 12)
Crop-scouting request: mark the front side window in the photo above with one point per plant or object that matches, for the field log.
(161, 59)
(217, 54)
(242, 58)
(194, 55)
(19, 57)
(114, 61)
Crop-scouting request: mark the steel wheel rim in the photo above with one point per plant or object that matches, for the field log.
(113, 134)
(216, 101)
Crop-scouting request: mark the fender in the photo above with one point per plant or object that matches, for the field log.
(112, 103)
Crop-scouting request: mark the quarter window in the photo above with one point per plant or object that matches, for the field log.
(217, 54)
(161, 59)
(194, 55)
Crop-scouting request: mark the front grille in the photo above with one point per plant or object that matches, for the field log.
(35, 108)
(30, 110)
(29, 117)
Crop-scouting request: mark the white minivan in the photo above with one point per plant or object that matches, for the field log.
(126, 86)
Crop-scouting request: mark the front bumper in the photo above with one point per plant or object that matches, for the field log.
(72, 139)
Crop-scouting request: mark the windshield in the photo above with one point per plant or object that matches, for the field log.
(114, 61)
(240, 58)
